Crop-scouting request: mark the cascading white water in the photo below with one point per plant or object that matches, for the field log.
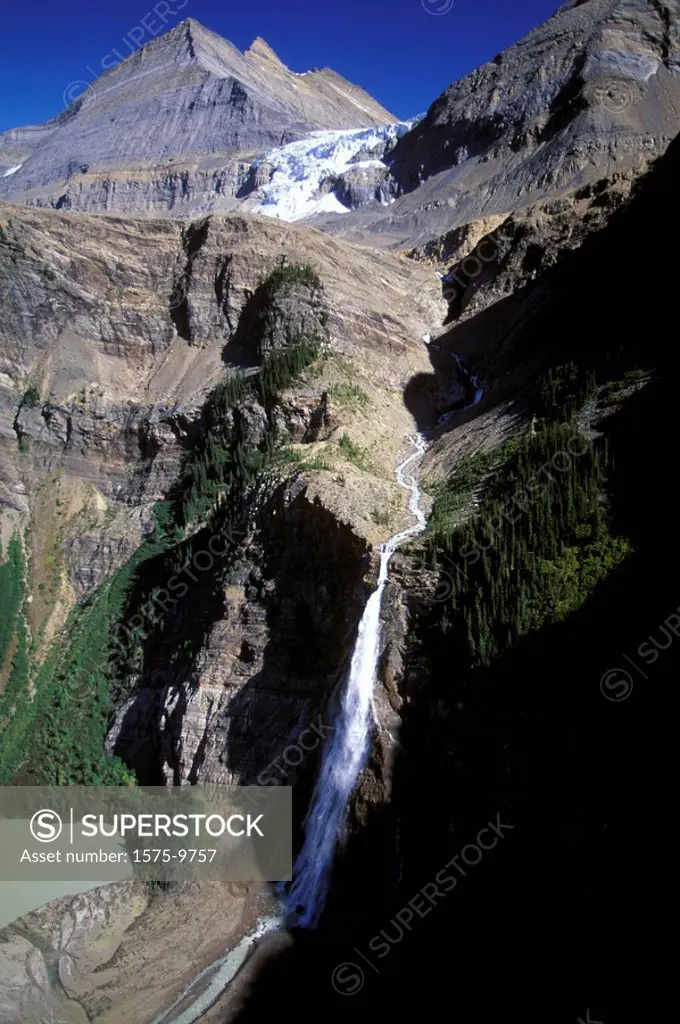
(345, 754)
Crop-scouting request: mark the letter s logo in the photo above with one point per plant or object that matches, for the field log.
(46, 826)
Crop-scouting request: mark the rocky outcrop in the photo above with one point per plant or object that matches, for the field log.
(175, 127)
(274, 317)
(500, 271)
(279, 628)
(361, 185)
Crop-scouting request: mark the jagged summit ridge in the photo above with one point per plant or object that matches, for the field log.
(192, 34)
(190, 39)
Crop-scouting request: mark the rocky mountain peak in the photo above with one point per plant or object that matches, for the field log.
(190, 39)
(261, 50)
(175, 123)
(187, 34)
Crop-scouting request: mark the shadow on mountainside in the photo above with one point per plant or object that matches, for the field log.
(491, 346)
(549, 926)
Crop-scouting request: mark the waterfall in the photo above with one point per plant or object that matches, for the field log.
(346, 752)
(473, 381)
(479, 393)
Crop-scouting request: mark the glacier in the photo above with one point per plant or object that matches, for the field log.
(300, 168)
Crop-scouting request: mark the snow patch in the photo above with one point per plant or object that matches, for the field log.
(12, 170)
(301, 167)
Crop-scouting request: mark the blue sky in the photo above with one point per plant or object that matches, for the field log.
(402, 51)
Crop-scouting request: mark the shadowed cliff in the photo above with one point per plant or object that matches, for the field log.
(551, 923)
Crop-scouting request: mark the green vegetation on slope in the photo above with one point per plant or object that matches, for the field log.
(58, 737)
(229, 457)
(14, 662)
(354, 453)
(537, 540)
(350, 396)
(11, 594)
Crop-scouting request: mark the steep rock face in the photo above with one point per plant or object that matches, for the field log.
(457, 726)
(175, 126)
(592, 92)
(497, 323)
(275, 635)
(361, 185)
